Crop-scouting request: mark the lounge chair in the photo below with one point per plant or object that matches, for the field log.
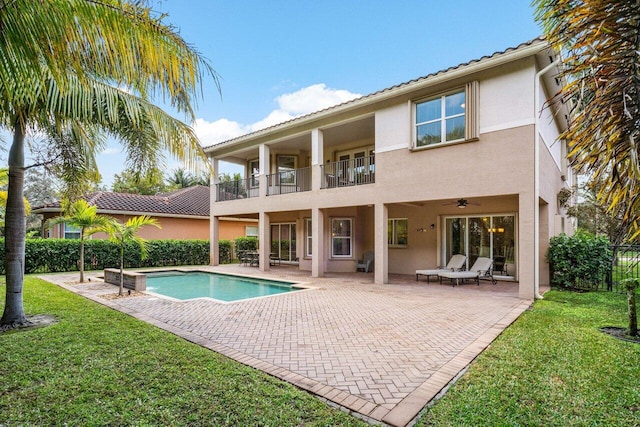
(366, 263)
(455, 263)
(480, 269)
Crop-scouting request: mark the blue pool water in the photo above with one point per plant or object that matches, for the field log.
(224, 287)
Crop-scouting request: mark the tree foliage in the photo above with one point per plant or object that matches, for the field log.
(77, 71)
(121, 234)
(600, 40)
(151, 182)
(84, 216)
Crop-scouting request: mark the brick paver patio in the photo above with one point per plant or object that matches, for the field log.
(380, 351)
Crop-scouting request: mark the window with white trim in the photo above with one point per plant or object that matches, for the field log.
(440, 120)
(309, 237)
(71, 232)
(250, 231)
(398, 232)
(341, 232)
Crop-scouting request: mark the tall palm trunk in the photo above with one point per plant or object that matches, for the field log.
(15, 229)
(81, 266)
(121, 289)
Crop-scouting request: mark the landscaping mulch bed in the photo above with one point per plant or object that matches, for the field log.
(127, 294)
(620, 333)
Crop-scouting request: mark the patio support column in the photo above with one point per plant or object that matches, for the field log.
(264, 169)
(317, 158)
(214, 233)
(264, 250)
(527, 250)
(381, 261)
(214, 249)
(317, 243)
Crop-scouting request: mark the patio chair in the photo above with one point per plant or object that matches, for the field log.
(455, 264)
(480, 269)
(366, 263)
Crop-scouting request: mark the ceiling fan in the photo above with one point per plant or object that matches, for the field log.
(461, 203)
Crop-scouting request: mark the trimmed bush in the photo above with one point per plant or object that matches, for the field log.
(580, 261)
(224, 250)
(58, 255)
(244, 244)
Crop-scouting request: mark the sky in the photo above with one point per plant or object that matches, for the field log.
(280, 59)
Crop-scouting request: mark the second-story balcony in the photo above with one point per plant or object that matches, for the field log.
(343, 173)
(346, 173)
(238, 189)
(292, 181)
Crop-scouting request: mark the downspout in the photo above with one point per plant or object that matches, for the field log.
(536, 179)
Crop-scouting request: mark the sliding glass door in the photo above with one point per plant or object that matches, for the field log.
(491, 236)
(283, 241)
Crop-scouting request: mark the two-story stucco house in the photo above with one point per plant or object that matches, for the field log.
(465, 160)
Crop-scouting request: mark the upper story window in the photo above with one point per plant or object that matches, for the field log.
(440, 120)
(446, 118)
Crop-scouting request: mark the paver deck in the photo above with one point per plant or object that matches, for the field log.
(380, 351)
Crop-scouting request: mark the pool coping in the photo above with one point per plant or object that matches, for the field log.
(302, 286)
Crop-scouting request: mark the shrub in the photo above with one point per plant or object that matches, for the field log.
(244, 244)
(58, 255)
(580, 261)
(224, 251)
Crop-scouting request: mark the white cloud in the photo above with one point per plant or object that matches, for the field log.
(290, 105)
(210, 133)
(313, 98)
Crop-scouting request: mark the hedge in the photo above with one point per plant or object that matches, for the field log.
(580, 261)
(58, 255)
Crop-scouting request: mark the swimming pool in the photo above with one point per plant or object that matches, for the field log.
(224, 287)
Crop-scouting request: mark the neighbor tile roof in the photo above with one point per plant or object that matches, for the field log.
(191, 201)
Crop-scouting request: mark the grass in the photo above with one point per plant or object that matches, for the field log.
(101, 367)
(552, 367)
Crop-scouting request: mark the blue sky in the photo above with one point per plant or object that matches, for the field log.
(278, 59)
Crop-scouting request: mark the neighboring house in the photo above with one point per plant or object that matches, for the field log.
(182, 214)
(465, 160)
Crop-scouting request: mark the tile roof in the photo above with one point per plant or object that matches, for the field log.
(190, 201)
(538, 40)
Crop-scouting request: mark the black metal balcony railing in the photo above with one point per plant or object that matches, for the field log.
(345, 173)
(292, 181)
(240, 189)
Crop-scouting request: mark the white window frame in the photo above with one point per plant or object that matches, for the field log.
(442, 119)
(394, 233)
(349, 237)
(72, 230)
(308, 251)
(252, 227)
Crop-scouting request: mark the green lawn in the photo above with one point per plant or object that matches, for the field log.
(101, 367)
(553, 367)
(98, 366)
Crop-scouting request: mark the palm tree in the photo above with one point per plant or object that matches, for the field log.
(4, 180)
(121, 234)
(84, 216)
(75, 68)
(600, 40)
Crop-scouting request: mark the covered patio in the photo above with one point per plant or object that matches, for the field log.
(381, 352)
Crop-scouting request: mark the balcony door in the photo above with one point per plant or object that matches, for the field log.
(283, 241)
(355, 166)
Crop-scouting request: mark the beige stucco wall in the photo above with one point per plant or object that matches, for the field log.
(496, 171)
